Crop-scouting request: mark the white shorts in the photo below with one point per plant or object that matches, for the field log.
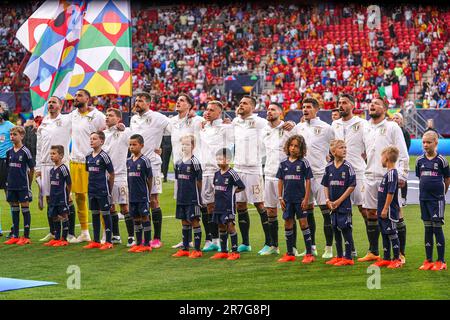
(156, 181)
(254, 188)
(371, 194)
(271, 193)
(357, 196)
(317, 192)
(208, 189)
(119, 192)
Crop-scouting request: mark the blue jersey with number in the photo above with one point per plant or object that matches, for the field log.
(338, 180)
(18, 163)
(98, 166)
(389, 185)
(432, 174)
(225, 186)
(188, 174)
(294, 175)
(138, 171)
(59, 180)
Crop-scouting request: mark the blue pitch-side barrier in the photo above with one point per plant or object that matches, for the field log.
(416, 147)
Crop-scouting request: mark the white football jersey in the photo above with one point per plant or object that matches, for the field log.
(376, 138)
(248, 144)
(82, 127)
(180, 127)
(352, 132)
(52, 132)
(274, 140)
(150, 126)
(116, 146)
(318, 135)
(213, 137)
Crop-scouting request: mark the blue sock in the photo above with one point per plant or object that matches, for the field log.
(440, 241)
(26, 221)
(138, 231)
(96, 224)
(147, 227)
(348, 241)
(57, 229)
(65, 228)
(308, 240)
(386, 247)
(289, 241)
(15, 213)
(429, 240)
(395, 241)
(338, 240)
(234, 241)
(223, 241)
(185, 231)
(108, 225)
(197, 237)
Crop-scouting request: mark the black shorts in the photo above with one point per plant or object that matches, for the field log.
(3, 173)
(341, 220)
(432, 210)
(387, 226)
(99, 203)
(223, 218)
(139, 209)
(19, 196)
(187, 212)
(294, 210)
(54, 211)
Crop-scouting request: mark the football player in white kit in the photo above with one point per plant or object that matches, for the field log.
(213, 136)
(274, 139)
(116, 145)
(381, 133)
(318, 135)
(55, 129)
(350, 128)
(151, 125)
(184, 123)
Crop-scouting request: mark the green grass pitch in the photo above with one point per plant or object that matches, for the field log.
(117, 274)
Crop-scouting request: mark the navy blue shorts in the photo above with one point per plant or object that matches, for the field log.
(387, 226)
(223, 218)
(294, 210)
(54, 211)
(432, 210)
(19, 196)
(139, 209)
(99, 203)
(187, 212)
(341, 220)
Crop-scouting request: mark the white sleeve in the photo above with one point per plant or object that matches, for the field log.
(403, 159)
(100, 121)
(38, 150)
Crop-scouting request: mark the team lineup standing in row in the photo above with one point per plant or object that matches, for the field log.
(370, 157)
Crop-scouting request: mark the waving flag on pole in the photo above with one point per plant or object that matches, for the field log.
(77, 44)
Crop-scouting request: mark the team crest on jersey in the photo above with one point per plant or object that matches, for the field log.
(20, 158)
(57, 176)
(436, 166)
(298, 169)
(116, 134)
(226, 181)
(188, 169)
(356, 127)
(148, 120)
(138, 167)
(251, 124)
(89, 118)
(58, 123)
(343, 175)
(317, 130)
(97, 162)
(383, 131)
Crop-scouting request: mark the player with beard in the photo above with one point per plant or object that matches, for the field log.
(380, 134)
(274, 139)
(318, 135)
(213, 136)
(85, 120)
(151, 125)
(248, 130)
(350, 128)
(55, 129)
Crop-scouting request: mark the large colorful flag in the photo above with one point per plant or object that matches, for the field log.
(391, 91)
(77, 44)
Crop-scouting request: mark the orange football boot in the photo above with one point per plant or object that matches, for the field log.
(196, 254)
(334, 260)
(395, 264)
(439, 265)
(287, 258)
(12, 241)
(308, 258)
(381, 263)
(106, 246)
(135, 248)
(234, 256)
(51, 243)
(23, 241)
(369, 257)
(61, 243)
(345, 262)
(93, 245)
(181, 253)
(426, 265)
(220, 255)
(144, 249)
